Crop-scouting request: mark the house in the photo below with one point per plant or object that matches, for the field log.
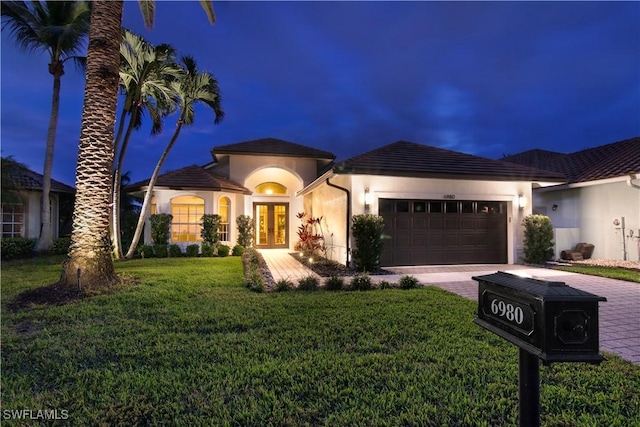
(21, 217)
(439, 206)
(600, 202)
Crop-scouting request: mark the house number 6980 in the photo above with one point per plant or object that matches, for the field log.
(508, 311)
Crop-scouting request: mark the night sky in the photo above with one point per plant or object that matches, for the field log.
(485, 78)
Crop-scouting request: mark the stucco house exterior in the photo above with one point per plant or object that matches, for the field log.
(22, 219)
(439, 206)
(600, 201)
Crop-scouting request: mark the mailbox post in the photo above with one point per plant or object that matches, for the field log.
(549, 321)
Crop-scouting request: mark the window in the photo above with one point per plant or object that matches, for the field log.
(187, 214)
(13, 216)
(224, 208)
(154, 206)
(270, 188)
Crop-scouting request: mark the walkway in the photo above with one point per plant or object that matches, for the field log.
(619, 315)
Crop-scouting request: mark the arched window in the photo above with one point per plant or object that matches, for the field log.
(224, 210)
(187, 214)
(13, 219)
(271, 188)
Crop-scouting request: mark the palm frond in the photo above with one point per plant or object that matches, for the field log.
(148, 10)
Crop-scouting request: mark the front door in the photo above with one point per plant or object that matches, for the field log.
(272, 225)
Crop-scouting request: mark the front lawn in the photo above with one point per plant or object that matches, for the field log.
(608, 272)
(190, 345)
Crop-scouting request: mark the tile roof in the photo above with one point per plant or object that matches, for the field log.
(270, 147)
(191, 178)
(606, 161)
(29, 180)
(404, 158)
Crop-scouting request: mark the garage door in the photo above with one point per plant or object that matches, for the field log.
(423, 232)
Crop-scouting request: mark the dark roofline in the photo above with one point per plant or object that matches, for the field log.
(265, 147)
(26, 179)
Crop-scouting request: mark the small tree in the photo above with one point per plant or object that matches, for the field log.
(160, 225)
(367, 233)
(245, 230)
(210, 229)
(538, 239)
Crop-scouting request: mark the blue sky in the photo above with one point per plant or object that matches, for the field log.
(485, 78)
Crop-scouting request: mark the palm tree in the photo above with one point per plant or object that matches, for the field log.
(58, 28)
(89, 257)
(145, 73)
(194, 87)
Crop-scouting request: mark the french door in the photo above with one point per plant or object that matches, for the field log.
(272, 225)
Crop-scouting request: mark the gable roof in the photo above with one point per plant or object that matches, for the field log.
(29, 180)
(403, 158)
(191, 178)
(272, 147)
(606, 161)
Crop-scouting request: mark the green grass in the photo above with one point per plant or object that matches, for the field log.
(609, 272)
(190, 345)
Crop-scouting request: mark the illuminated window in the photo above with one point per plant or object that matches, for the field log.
(187, 214)
(13, 216)
(224, 207)
(154, 206)
(271, 188)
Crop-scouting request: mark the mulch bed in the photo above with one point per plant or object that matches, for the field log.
(328, 268)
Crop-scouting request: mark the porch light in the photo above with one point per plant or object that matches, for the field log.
(522, 201)
(367, 198)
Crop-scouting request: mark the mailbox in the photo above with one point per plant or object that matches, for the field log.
(553, 321)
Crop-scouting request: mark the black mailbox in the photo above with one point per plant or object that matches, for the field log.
(553, 321)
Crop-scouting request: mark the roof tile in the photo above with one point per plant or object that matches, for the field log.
(410, 159)
(192, 177)
(272, 146)
(606, 161)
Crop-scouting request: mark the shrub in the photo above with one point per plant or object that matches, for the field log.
(367, 233)
(309, 283)
(255, 282)
(223, 250)
(385, 284)
(175, 251)
(251, 261)
(284, 285)
(207, 250)
(237, 250)
(60, 245)
(245, 230)
(160, 251)
(192, 250)
(210, 229)
(160, 225)
(17, 247)
(146, 251)
(361, 282)
(538, 239)
(408, 282)
(334, 283)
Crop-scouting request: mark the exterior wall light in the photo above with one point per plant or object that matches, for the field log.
(554, 207)
(367, 198)
(522, 201)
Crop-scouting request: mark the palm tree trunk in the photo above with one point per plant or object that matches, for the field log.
(46, 232)
(116, 237)
(147, 197)
(90, 253)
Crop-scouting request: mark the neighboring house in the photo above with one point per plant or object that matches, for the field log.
(439, 206)
(599, 203)
(22, 219)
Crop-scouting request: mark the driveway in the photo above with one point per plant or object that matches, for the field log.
(619, 315)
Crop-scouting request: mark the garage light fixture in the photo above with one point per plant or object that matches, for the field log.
(522, 201)
(367, 198)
